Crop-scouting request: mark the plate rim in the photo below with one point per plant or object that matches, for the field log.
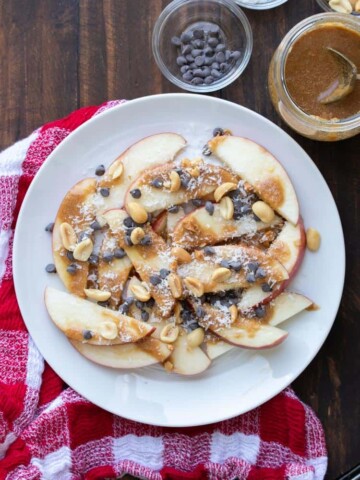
(16, 254)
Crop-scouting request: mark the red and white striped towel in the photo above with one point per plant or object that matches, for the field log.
(48, 431)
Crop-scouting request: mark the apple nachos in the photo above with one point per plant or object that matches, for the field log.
(174, 260)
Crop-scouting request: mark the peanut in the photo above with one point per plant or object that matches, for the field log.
(223, 190)
(83, 250)
(175, 181)
(169, 333)
(181, 255)
(233, 313)
(195, 338)
(108, 330)
(220, 274)
(194, 286)
(175, 285)
(357, 6)
(137, 212)
(140, 292)
(98, 295)
(137, 235)
(313, 239)
(116, 170)
(68, 236)
(341, 6)
(226, 208)
(263, 211)
(177, 313)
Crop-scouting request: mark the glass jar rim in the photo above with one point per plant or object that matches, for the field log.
(285, 46)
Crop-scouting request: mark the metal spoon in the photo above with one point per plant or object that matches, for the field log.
(345, 82)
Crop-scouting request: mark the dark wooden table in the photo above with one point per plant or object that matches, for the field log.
(59, 55)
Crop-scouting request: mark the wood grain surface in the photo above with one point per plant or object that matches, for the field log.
(59, 55)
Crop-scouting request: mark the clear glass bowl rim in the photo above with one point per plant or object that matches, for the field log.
(228, 79)
(263, 6)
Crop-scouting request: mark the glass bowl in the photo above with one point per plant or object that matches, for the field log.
(324, 4)
(261, 5)
(185, 15)
(307, 125)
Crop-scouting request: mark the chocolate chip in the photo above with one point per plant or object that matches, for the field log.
(84, 234)
(260, 312)
(185, 179)
(215, 65)
(214, 31)
(218, 132)
(213, 42)
(150, 303)
(70, 255)
(209, 250)
(206, 151)
(186, 49)
(164, 272)
(146, 240)
(186, 37)
(87, 334)
(245, 209)
(72, 268)
(189, 58)
(128, 241)
(50, 268)
(181, 61)
(225, 263)
(49, 227)
(139, 305)
(129, 300)
(196, 52)
(206, 71)
(224, 67)
(250, 277)
(100, 170)
(260, 273)
(157, 183)
(235, 265)
(199, 61)
(252, 266)
(198, 43)
(208, 52)
(220, 57)
(129, 222)
(95, 225)
(145, 316)
(107, 257)
(103, 304)
(209, 80)
(119, 253)
(235, 55)
(220, 48)
(188, 76)
(155, 280)
(105, 191)
(197, 202)
(176, 41)
(215, 73)
(199, 73)
(227, 55)
(234, 194)
(265, 287)
(198, 33)
(93, 259)
(186, 315)
(208, 60)
(124, 308)
(184, 68)
(200, 312)
(256, 218)
(174, 209)
(209, 207)
(135, 193)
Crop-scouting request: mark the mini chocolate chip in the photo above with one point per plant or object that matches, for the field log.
(208, 61)
(198, 43)
(199, 73)
(150, 303)
(209, 250)
(216, 73)
(188, 76)
(124, 308)
(256, 218)
(218, 132)
(235, 265)
(200, 60)
(186, 315)
(234, 194)
(135, 193)
(108, 257)
(139, 305)
(93, 259)
(186, 37)
(103, 304)
(213, 42)
(260, 312)
(193, 325)
(196, 52)
(265, 287)
(189, 58)
(209, 207)
(181, 61)
(196, 81)
(220, 57)
(220, 48)
(260, 273)
(105, 191)
(184, 68)
(100, 170)
(157, 183)
(49, 227)
(252, 266)
(197, 202)
(129, 300)
(146, 240)
(84, 234)
(214, 31)
(95, 225)
(145, 316)
(224, 67)
(87, 334)
(155, 280)
(200, 312)
(206, 151)
(119, 253)
(185, 180)
(128, 241)
(164, 272)
(209, 80)
(245, 209)
(186, 49)
(235, 55)
(70, 256)
(198, 33)
(208, 51)
(129, 222)
(225, 263)
(50, 268)
(227, 55)
(176, 41)
(250, 277)
(72, 268)
(174, 209)
(206, 71)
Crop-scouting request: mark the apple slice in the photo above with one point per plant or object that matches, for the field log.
(186, 360)
(132, 355)
(112, 275)
(159, 224)
(148, 152)
(260, 168)
(208, 178)
(199, 229)
(285, 306)
(77, 210)
(147, 260)
(204, 266)
(173, 219)
(214, 347)
(75, 316)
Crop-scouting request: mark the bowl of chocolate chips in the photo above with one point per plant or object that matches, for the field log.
(202, 45)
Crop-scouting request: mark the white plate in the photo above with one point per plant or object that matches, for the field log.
(236, 382)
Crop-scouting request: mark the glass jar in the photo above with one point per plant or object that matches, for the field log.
(307, 125)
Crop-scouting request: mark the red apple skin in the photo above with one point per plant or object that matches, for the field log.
(159, 223)
(265, 347)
